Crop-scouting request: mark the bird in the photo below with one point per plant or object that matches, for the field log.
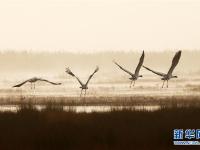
(83, 86)
(167, 76)
(134, 76)
(33, 80)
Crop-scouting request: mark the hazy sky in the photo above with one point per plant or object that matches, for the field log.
(99, 24)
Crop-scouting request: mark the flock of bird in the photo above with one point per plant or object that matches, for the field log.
(134, 76)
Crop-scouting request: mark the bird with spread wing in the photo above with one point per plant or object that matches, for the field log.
(168, 76)
(33, 80)
(134, 76)
(83, 86)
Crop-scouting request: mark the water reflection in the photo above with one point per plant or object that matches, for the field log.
(89, 109)
(86, 109)
(9, 108)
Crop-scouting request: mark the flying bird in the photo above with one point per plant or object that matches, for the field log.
(168, 76)
(83, 86)
(134, 76)
(33, 80)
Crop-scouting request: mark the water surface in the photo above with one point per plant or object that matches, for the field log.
(86, 109)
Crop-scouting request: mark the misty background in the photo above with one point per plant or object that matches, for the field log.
(42, 37)
(21, 65)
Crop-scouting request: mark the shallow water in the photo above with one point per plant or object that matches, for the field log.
(86, 109)
(144, 88)
(148, 86)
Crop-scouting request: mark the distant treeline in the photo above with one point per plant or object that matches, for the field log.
(28, 63)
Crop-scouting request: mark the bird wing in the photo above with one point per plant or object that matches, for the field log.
(18, 85)
(40, 79)
(158, 73)
(139, 64)
(73, 75)
(123, 68)
(174, 62)
(97, 68)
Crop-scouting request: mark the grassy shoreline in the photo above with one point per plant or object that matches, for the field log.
(53, 128)
(107, 101)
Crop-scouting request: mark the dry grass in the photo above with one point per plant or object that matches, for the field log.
(106, 101)
(54, 128)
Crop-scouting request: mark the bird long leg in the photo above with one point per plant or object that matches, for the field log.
(33, 89)
(163, 83)
(31, 85)
(134, 83)
(81, 92)
(167, 83)
(21, 96)
(85, 91)
(131, 83)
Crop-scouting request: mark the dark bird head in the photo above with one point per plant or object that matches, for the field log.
(15, 86)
